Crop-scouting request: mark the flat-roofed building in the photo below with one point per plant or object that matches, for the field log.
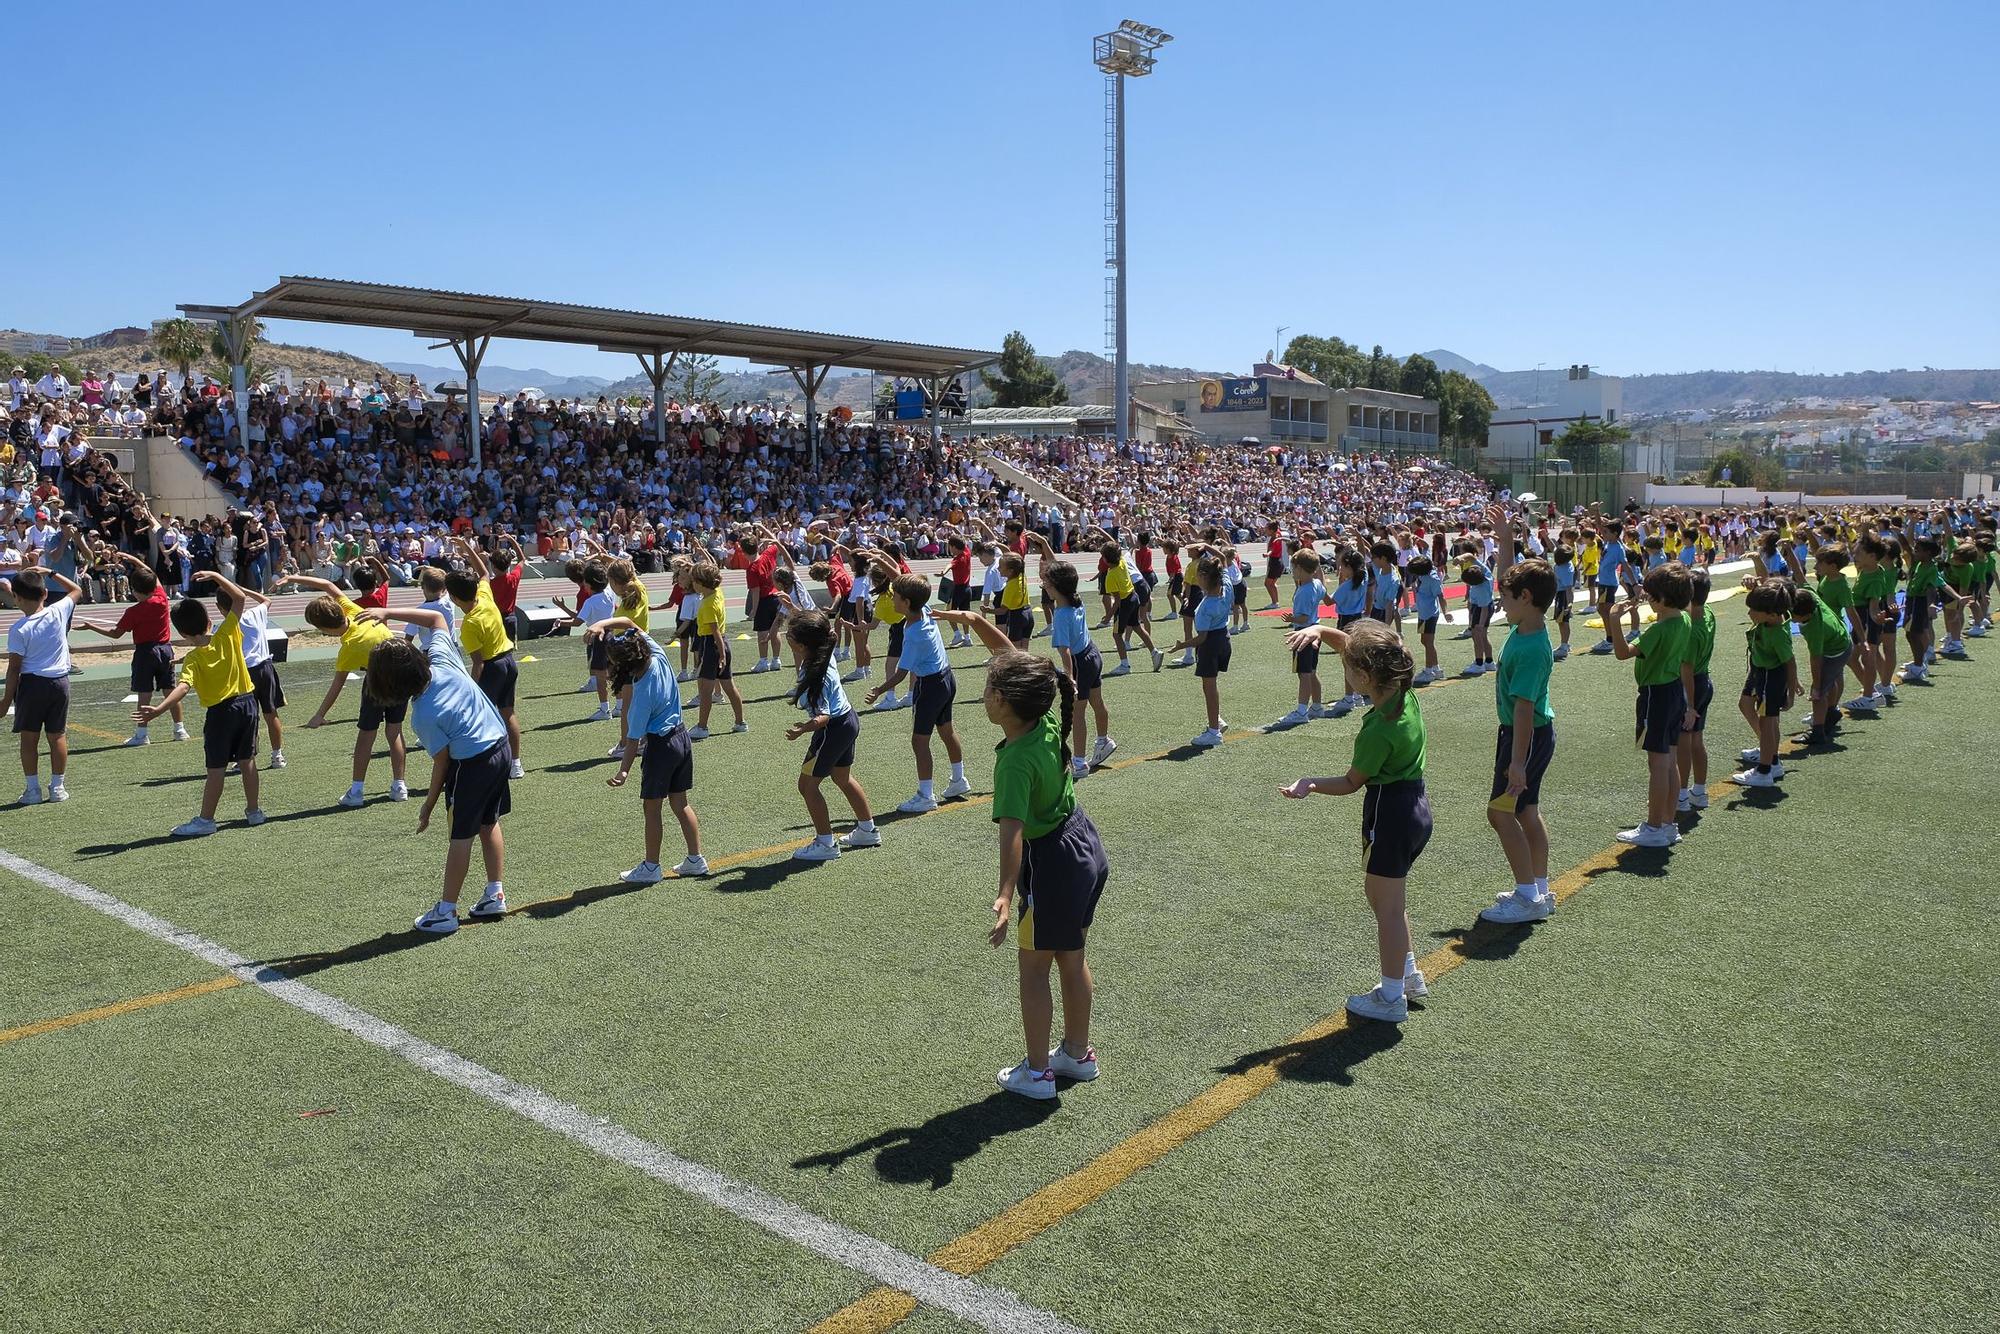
(1283, 405)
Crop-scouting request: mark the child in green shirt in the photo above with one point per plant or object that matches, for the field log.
(1828, 646)
(1773, 681)
(1692, 750)
(1666, 695)
(1388, 764)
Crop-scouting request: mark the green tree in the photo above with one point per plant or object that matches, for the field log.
(1738, 464)
(1384, 371)
(1025, 380)
(1331, 361)
(1592, 446)
(694, 380)
(218, 353)
(38, 364)
(1928, 458)
(1465, 409)
(180, 344)
(1853, 458)
(1989, 452)
(1420, 376)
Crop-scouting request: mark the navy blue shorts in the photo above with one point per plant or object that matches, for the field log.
(960, 597)
(229, 732)
(152, 668)
(1342, 621)
(1190, 598)
(1661, 708)
(264, 682)
(497, 680)
(1832, 673)
(1062, 877)
(1211, 653)
(1704, 695)
(597, 655)
(666, 765)
(1125, 616)
(1019, 625)
(1241, 597)
(1089, 671)
(931, 698)
(832, 747)
(713, 659)
(476, 791)
(1395, 827)
(1767, 686)
(373, 715)
(1541, 749)
(766, 614)
(1305, 661)
(896, 640)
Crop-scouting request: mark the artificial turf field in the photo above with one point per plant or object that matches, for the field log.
(1745, 1084)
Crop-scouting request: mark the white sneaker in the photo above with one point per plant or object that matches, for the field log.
(616, 706)
(1028, 1082)
(918, 804)
(645, 873)
(957, 787)
(253, 818)
(1374, 1005)
(1750, 754)
(1079, 767)
(1122, 669)
(886, 703)
(1601, 647)
(684, 676)
(58, 792)
(589, 684)
(1516, 908)
(399, 790)
(819, 850)
(1210, 737)
(1976, 632)
(1887, 690)
(697, 733)
(1777, 768)
(195, 828)
(1186, 659)
(858, 837)
(1698, 798)
(31, 797)
(1298, 715)
(1425, 676)
(514, 771)
(1751, 778)
(1069, 1067)
(1644, 835)
(740, 727)
(439, 920)
(1159, 659)
(1682, 803)
(491, 905)
(1862, 704)
(1414, 987)
(180, 732)
(858, 674)
(1473, 669)
(694, 864)
(277, 760)
(139, 738)
(1102, 751)
(617, 752)
(353, 800)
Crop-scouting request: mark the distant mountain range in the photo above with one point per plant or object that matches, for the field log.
(507, 380)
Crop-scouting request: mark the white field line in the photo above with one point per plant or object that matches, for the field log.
(981, 1304)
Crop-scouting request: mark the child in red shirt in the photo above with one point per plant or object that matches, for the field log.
(152, 643)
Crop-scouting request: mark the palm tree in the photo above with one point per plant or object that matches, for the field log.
(219, 350)
(180, 344)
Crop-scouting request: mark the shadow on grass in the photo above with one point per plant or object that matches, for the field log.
(583, 765)
(566, 723)
(582, 898)
(1181, 754)
(930, 1153)
(1646, 863)
(757, 877)
(1327, 1060)
(305, 965)
(172, 779)
(1756, 799)
(225, 824)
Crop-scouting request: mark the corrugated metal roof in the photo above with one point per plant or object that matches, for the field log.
(433, 313)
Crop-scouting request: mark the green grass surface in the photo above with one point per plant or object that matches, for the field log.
(1748, 1084)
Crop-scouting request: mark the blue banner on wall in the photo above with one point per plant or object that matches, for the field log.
(1234, 396)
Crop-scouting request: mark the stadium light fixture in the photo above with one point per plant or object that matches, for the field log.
(1126, 53)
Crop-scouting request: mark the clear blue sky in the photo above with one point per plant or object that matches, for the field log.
(1648, 187)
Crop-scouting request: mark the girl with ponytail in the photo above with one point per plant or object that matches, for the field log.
(835, 728)
(1050, 856)
(1388, 765)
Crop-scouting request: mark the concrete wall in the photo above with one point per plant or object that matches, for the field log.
(1750, 495)
(1031, 488)
(174, 483)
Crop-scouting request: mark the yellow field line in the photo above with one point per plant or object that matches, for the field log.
(97, 732)
(883, 1308)
(213, 984)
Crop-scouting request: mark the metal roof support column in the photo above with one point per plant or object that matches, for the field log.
(236, 343)
(809, 378)
(472, 351)
(657, 370)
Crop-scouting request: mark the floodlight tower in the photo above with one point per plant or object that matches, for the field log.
(1126, 53)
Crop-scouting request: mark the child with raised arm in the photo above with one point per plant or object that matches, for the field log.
(152, 644)
(920, 656)
(598, 606)
(1526, 741)
(38, 678)
(216, 670)
(835, 728)
(659, 741)
(1069, 635)
(1387, 764)
(711, 628)
(489, 650)
(1660, 659)
(467, 742)
(1051, 859)
(333, 613)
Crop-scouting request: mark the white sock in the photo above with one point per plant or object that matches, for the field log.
(1541, 886)
(824, 838)
(923, 787)
(355, 786)
(1392, 988)
(865, 824)
(1409, 963)
(55, 780)
(1698, 787)
(958, 772)
(34, 782)
(1526, 891)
